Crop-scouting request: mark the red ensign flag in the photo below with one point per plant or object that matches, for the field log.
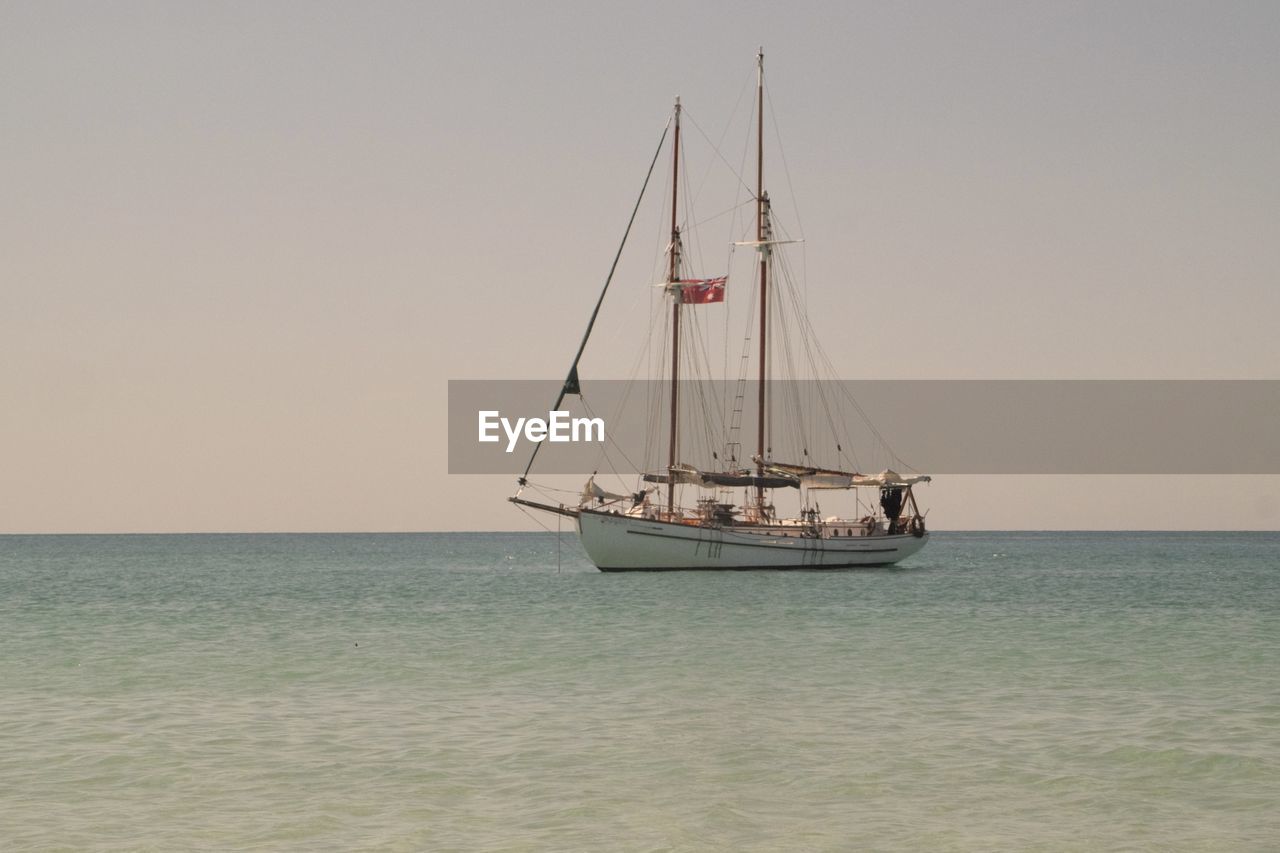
(700, 291)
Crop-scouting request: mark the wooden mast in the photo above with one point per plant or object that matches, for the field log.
(676, 297)
(761, 209)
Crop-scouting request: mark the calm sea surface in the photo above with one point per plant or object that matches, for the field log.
(456, 692)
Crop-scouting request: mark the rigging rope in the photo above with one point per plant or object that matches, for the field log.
(571, 381)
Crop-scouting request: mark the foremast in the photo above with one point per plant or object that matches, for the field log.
(677, 294)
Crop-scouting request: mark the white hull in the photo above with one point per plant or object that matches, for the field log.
(617, 543)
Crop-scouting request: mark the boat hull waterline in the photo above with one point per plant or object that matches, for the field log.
(619, 543)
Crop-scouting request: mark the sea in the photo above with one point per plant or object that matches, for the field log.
(492, 691)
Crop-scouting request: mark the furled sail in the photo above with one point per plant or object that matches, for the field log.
(591, 492)
(824, 478)
(889, 477)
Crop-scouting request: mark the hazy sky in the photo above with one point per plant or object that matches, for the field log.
(243, 246)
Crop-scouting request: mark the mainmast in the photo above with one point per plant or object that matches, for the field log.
(673, 275)
(762, 227)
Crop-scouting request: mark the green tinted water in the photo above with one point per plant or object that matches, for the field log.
(453, 691)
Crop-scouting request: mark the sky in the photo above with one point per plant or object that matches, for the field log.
(244, 246)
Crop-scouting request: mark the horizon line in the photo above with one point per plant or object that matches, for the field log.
(570, 530)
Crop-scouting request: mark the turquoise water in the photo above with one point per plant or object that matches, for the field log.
(456, 692)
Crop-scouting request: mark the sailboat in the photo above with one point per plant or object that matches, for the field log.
(648, 529)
